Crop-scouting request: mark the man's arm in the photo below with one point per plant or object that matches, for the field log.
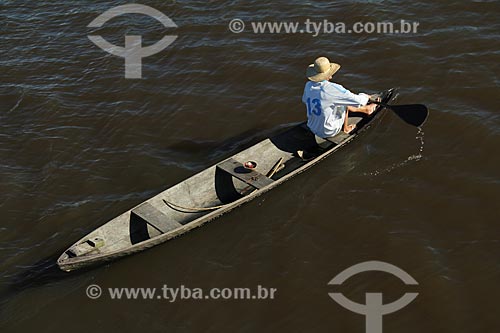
(345, 97)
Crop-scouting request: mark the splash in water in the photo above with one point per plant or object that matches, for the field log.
(412, 158)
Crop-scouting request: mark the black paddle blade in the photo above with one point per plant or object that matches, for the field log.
(413, 114)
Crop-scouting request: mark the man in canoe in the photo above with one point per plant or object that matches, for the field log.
(328, 104)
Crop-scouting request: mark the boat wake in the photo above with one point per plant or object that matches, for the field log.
(410, 159)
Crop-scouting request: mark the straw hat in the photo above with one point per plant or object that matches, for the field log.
(321, 70)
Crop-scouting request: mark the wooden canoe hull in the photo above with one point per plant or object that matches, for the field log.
(124, 235)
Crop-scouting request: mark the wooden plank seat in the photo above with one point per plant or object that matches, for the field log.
(155, 218)
(250, 177)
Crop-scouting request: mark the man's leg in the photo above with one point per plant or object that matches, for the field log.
(348, 128)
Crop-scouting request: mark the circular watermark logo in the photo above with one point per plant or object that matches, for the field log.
(133, 52)
(93, 291)
(374, 309)
(236, 26)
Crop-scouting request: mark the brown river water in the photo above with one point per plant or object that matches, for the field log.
(80, 144)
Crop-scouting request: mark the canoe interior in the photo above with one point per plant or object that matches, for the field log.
(208, 188)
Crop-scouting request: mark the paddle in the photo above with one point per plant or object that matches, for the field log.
(413, 114)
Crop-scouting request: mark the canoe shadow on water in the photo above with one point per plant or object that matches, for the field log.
(41, 273)
(216, 150)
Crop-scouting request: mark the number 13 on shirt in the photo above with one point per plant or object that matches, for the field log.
(315, 108)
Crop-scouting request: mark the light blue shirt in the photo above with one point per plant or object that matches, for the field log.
(326, 104)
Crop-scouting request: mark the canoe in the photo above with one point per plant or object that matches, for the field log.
(212, 192)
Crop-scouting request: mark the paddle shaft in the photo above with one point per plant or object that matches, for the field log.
(392, 106)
